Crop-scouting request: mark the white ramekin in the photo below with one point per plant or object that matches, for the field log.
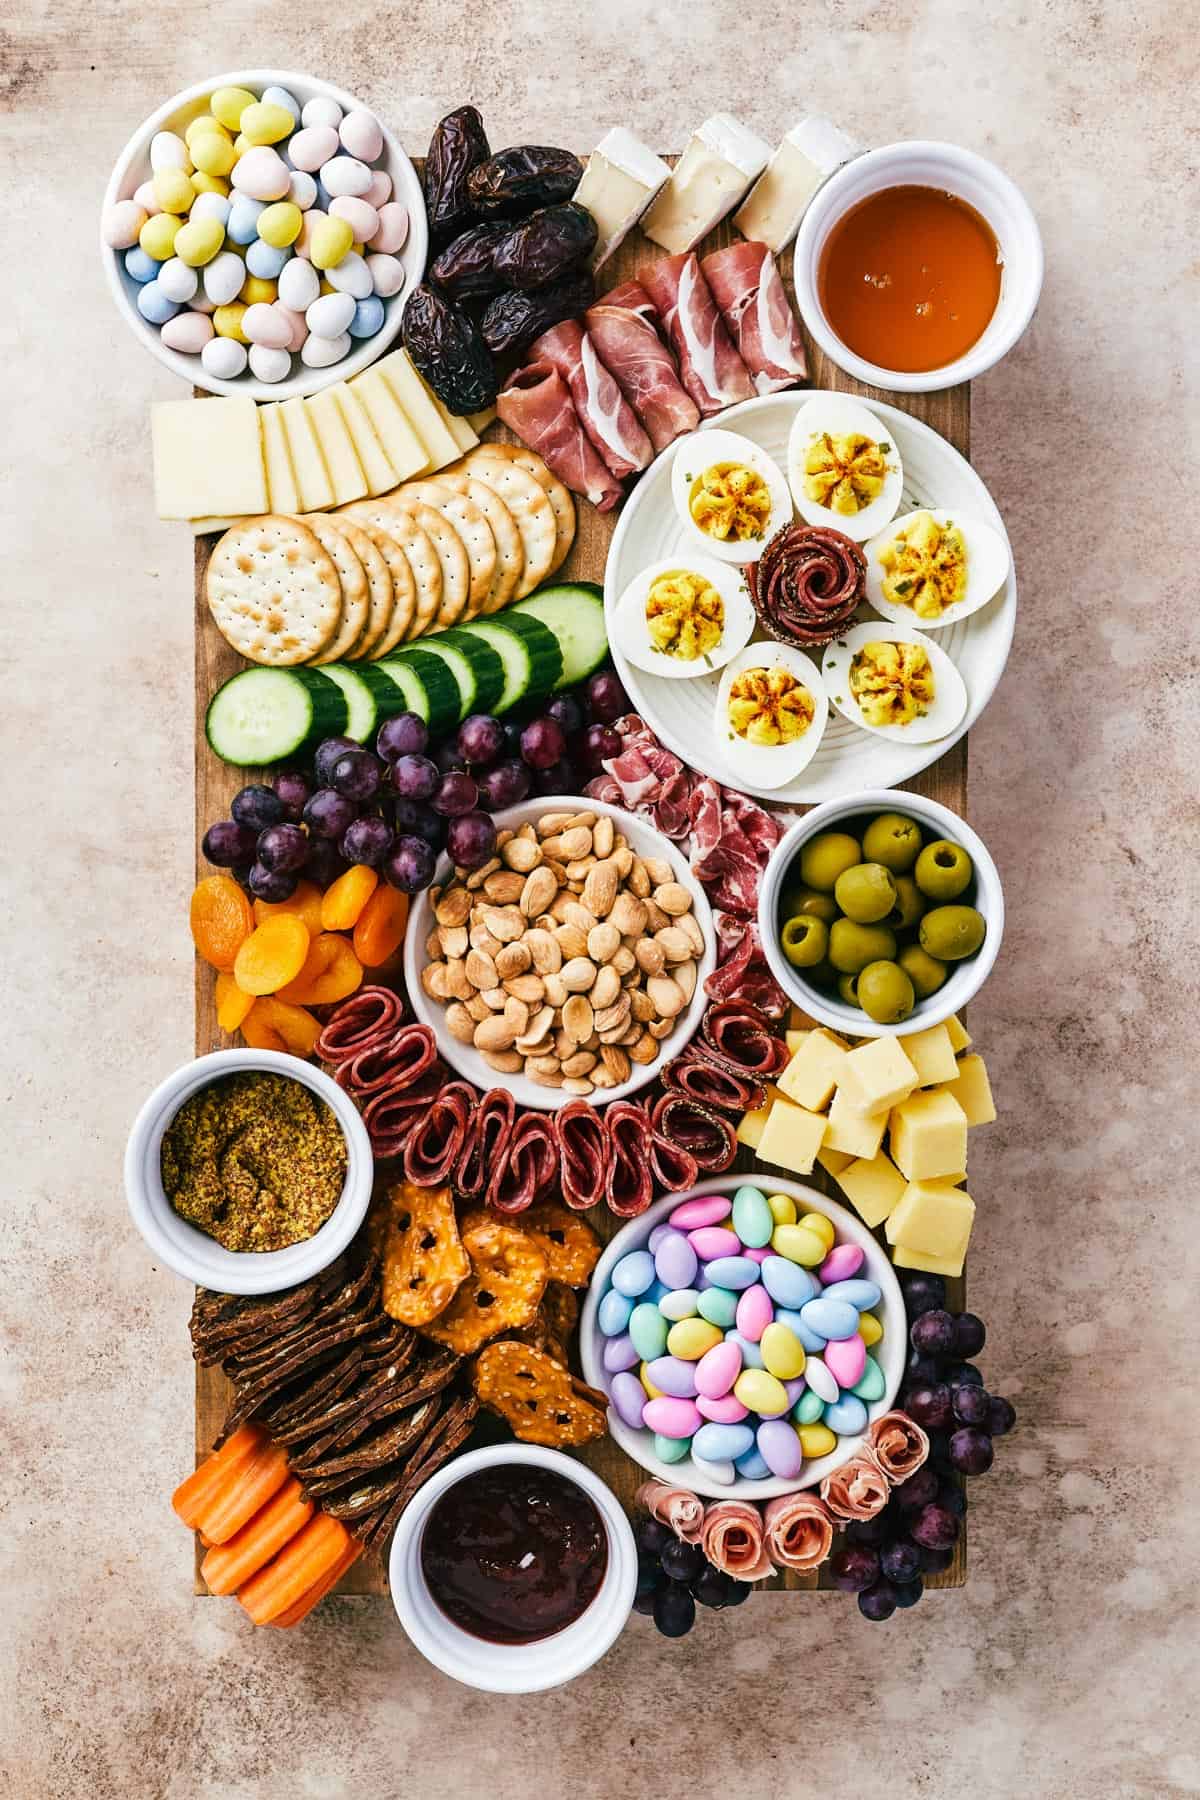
(194, 1255)
(513, 1668)
(965, 978)
(954, 170)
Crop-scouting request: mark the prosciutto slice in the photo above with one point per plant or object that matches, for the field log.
(899, 1444)
(537, 405)
(859, 1489)
(603, 410)
(745, 284)
(732, 1539)
(623, 325)
(799, 1531)
(676, 1507)
(711, 369)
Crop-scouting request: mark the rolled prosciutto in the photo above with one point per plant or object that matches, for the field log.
(603, 410)
(537, 405)
(899, 1445)
(623, 325)
(858, 1490)
(677, 1507)
(711, 369)
(732, 1539)
(799, 1531)
(746, 285)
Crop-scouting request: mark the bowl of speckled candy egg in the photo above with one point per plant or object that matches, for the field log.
(747, 1335)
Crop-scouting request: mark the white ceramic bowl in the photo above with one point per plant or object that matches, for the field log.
(965, 978)
(464, 1057)
(132, 167)
(513, 1668)
(194, 1255)
(890, 1352)
(954, 170)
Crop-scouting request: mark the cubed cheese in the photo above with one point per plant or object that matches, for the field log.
(621, 179)
(960, 1037)
(791, 1137)
(931, 1054)
(793, 1040)
(904, 1258)
(480, 421)
(282, 493)
(208, 459)
(876, 1076)
(368, 446)
(308, 462)
(815, 1070)
(873, 1188)
(928, 1135)
(810, 152)
(933, 1219)
(833, 1161)
(973, 1091)
(337, 447)
(857, 1133)
(750, 1130)
(400, 375)
(405, 451)
(707, 182)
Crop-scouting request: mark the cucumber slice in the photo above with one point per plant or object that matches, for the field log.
(574, 612)
(267, 715)
(474, 665)
(529, 652)
(363, 709)
(425, 686)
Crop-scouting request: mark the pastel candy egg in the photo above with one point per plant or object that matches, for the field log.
(187, 332)
(387, 275)
(391, 234)
(212, 153)
(690, 1338)
(173, 191)
(321, 110)
(754, 1312)
(158, 234)
(380, 190)
(672, 1376)
(843, 1261)
(201, 303)
(869, 1328)
(168, 151)
(154, 305)
(674, 1258)
(712, 1241)
(794, 1388)
(751, 1354)
(122, 223)
(673, 1418)
(846, 1358)
(619, 1353)
(721, 1443)
(628, 1398)
(211, 206)
(261, 173)
(281, 96)
(199, 240)
(223, 277)
(209, 184)
(361, 134)
(752, 1217)
(647, 1327)
(785, 1281)
(270, 364)
(297, 322)
(658, 1235)
(724, 1410)
(820, 1380)
(871, 1384)
(846, 1416)
(812, 1340)
(344, 175)
(723, 1473)
(177, 280)
(670, 1450)
(243, 220)
(822, 1226)
(832, 1318)
(634, 1273)
(140, 265)
(262, 122)
(263, 325)
(327, 240)
(265, 261)
(708, 1209)
(299, 284)
(613, 1312)
(351, 275)
(782, 1352)
(753, 1466)
(279, 225)
(656, 1291)
(653, 1392)
(718, 1369)
(311, 148)
(732, 1272)
(359, 214)
(798, 1244)
(229, 103)
(680, 1303)
(302, 190)
(860, 1294)
(783, 1208)
(779, 1448)
(758, 1256)
(816, 1440)
(808, 1408)
(761, 1392)
(718, 1306)
(223, 357)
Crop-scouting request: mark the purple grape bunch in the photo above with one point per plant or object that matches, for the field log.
(674, 1578)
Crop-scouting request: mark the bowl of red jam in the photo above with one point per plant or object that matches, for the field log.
(514, 1569)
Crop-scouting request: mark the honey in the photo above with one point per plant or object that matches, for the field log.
(910, 277)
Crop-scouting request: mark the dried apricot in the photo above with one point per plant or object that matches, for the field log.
(344, 899)
(379, 931)
(304, 904)
(331, 971)
(221, 920)
(233, 1002)
(272, 955)
(296, 1029)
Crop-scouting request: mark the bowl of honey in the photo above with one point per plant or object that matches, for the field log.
(918, 266)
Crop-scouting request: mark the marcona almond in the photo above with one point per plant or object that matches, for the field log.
(639, 880)
(631, 1033)
(578, 870)
(603, 835)
(504, 886)
(658, 869)
(600, 888)
(571, 941)
(651, 957)
(505, 1062)
(564, 1044)
(476, 880)
(459, 1023)
(622, 860)
(580, 916)
(543, 1046)
(458, 982)
(580, 818)
(623, 960)
(575, 841)
(483, 941)
(539, 890)
(603, 942)
(684, 975)
(493, 998)
(513, 959)
(504, 837)
(605, 988)
(477, 1007)
(631, 978)
(659, 1028)
(578, 974)
(667, 996)
(517, 1014)
(577, 1085)
(579, 1064)
(528, 988)
(506, 923)
(641, 1005)
(550, 1079)
(556, 869)
(454, 939)
(453, 907)
(616, 1062)
(673, 897)
(482, 971)
(675, 945)
(643, 1049)
(542, 1065)
(537, 1029)
(558, 911)
(629, 915)
(602, 1079)
(614, 1015)
(656, 918)
(549, 823)
(591, 1042)
(496, 1033)
(556, 987)
(577, 1017)
(521, 855)
(433, 980)
(433, 945)
(544, 950)
(690, 927)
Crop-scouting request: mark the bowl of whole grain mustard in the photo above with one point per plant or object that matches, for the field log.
(248, 1171)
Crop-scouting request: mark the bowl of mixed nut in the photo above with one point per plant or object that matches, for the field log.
(572, 964)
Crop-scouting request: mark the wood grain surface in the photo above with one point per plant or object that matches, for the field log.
(949, 413)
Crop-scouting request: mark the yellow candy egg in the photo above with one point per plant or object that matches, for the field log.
(197, 242)
(816, 1440)
(822, 1226)
(263, 122)
(330, 242)
(173, 190)
(279, 225)
(782, 1352)
(209, 184)
(783, 1208)
(212, 152)
(205, 125)
(799, 1245)
(655, 1393)
(158, 234)
(257, 291)
(688, 1339)
(327, 287)
(227, 321)
(869, 1329)
(229, 103)
(760, 1391)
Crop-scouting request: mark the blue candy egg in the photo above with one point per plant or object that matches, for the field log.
(634, 1274)
(846, 1416)
(265, 260)
(718, 1306)
(734, 1272)
(858, 1292)
(832, 1318)
(722, 1443)
(812, 1340)
(787, 1283)
(280, 96)
(242, 225)
(140, 265)
(368, 317)
(612, 1314)
(751, 1354)
(648, 1330)
(153, 304)
(675, 1261)
(754, 1465)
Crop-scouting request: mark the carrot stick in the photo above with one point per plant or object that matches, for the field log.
(319, 1589)
(193, 1497)
(250, 1486)
(228, 1565)
(315, 1549)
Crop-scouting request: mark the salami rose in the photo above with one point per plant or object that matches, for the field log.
(524, 1173)
(673, 1168)
(808, 584)
(434, 1144)
(739, 1036)
(799, 1531)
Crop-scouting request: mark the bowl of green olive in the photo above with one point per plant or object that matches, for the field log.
(881, 916)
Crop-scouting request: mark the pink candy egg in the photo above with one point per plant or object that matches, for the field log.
(724, 1410)
(144, 197)
(754, 1313)
(671, 1418)
(718, 1369)
(843, 1261)
(360, 215)
(758, 1256)
(262, 174)
(361, 134)
(267, 324)
(299, 325)
(308, 224)
(710, 1209)
(122, 224)
(387, 274)
(188, 332)
(390, 237)
(846, 1359)
(313, 146)
(380, 190)
(711, 1241)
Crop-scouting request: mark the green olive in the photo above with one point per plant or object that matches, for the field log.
(924, 971)
(853, 946)
(910, 903)
(943, 870)
(848, 989)
(952, 932)
(821, 906)
(885, 993)
(824, 858)
(893, 840)
(805, 941)
(866, 892)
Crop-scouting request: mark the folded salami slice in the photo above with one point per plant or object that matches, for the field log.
(367, 1018)
(526, 1172)
(677, 1507)
(674, 1169)
(709, 1139)
(858, 1490)
(392, 1065)
(486, 1143)
(899, 1444)
(391, 1114)
(713, 1083)
(434, 1145)
(732, 1539)
(583, 1154)
(628, 1183)
(740, 1037)
(799, 1531)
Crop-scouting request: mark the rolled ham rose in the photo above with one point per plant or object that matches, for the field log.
(858, 1490)
(799, 1531)
(732, 1540)
(537, 405)
(899, 1444)
(676, 1507)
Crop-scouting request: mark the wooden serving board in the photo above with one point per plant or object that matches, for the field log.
(949, 413)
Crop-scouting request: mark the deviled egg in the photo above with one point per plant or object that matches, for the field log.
(894, 682)
(843, 466)
(731, 497)
(771, 713)
(931, 568)
(683, 616)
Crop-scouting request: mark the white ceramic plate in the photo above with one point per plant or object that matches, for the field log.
(849, 759)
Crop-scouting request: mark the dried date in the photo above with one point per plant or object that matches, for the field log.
(458, 144)
(513, 320)
(515, 181)
(545, 246)
(466, 268)
(448, 350)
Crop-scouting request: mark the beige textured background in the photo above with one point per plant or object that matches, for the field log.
(1067, 1667)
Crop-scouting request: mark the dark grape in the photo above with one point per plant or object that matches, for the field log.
(878, 1602)
(922, 1371)
(934, 1561)
(512, 736)
(652, 1534)
(900, 1562)
(970, 1334)
(293, 789)
(419, 820)
(918, 1490)
(962, 1374)
(930, 1406)
(367, 841)
(505, 784)
(971, 1451)
(971, 1404)
(327, 754)
(909, 1593)
(257, 806)
(543, 743)
(867, 1531)
(644, 1603)
(357, 774)
(736, 1592)
(1002, 1416)
(283, 848)
(600, 743)
(416, 778)
(325, 862)
(480, 739)
(710, 1588)
(270, 884)
(457, 794)
(606, 698)
(405, 735)
(329, 814)
(682, 1562)
(649, 1574)
(566, 710)
(447, 756)
(934, 1528)
(409, 864)
(933, 1333)
(951, 1496)
(559, 778)
(674, 1610)
(922, 1293)
(939, 1450)
(470, 840)
(855, 1568)
(227, 843)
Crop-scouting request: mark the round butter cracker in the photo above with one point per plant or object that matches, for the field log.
(273, 591)
(352, 575)
(529, 505)
(510, 551)
(472, 526)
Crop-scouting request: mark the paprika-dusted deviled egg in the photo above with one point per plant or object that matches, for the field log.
(894, 682)
(771, 712)
(931, 569)
(683, 616)
(731, 497)
(843, 466)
